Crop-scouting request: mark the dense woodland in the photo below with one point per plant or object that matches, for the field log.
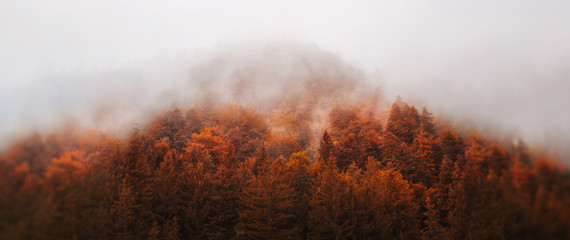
(233, 173)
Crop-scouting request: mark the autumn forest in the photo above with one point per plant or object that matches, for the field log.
(231, 172)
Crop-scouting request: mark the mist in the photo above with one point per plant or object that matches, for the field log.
(501, 66)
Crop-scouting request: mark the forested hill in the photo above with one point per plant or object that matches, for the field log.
(233, 173)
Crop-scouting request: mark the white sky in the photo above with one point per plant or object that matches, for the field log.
(505, 62)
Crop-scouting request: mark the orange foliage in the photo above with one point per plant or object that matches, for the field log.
(232, 173)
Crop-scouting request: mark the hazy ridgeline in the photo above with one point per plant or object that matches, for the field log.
(275, 142)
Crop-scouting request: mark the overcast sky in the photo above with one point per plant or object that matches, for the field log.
(502, 62)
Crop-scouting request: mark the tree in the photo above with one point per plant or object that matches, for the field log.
(172, 230)
(221, 182)
(452, 144)
(300, 178)
(391, 204)
(426, 122)
(222, 201)
(370, 147)
(399, 155)
(330, 207)
(428, 154)
(283, 145)
(197, 192)
(347, 151)
(244, 129)
(433, 229)
(123, 213)
(168, 200)
(171, 126)
(212, 143)
(267, 205)
(326, 148)
(154, 232)
(131, 177)
(403, 122)
(157, 152)
(343, 121)
(194, 120)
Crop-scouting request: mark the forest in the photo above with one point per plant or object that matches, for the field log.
(232, 172)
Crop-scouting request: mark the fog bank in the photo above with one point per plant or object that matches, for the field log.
(499, 64)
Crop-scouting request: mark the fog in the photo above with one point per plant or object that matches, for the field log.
(499, 65)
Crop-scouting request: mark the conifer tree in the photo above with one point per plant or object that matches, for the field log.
(168, 201)
(427, 153)
(426, 122)
(154, 231)
(172, 229)
(267, 206)
(222, 200)
(391, 202)
(197, 192)
(326, 148)
(433, 229)
(301, 180)
(123, 212)
(452, 144)
(330, 207)
(403, 122)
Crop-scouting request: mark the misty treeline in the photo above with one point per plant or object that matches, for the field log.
(233, 173)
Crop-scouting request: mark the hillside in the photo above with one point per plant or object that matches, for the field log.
(230, 172)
